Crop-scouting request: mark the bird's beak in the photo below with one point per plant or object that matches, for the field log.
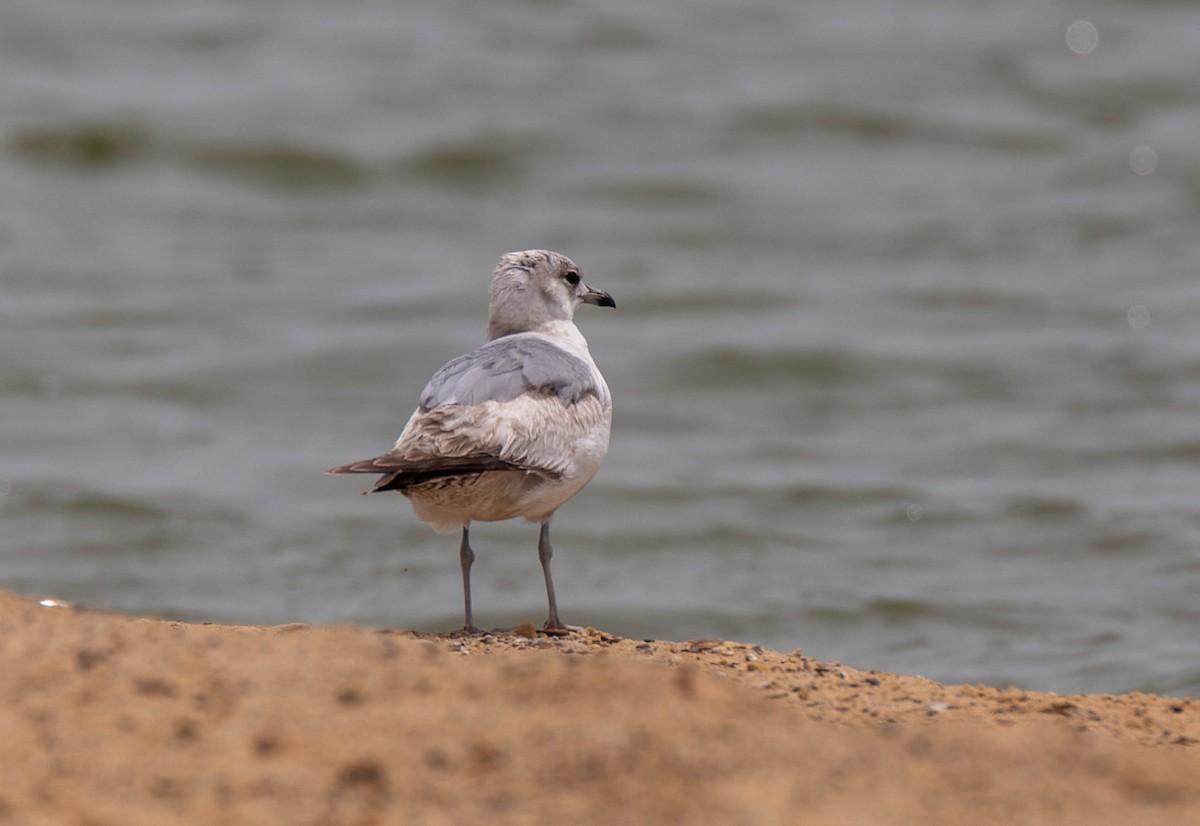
(599, 298)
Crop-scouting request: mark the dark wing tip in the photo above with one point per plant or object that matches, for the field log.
(364, 466)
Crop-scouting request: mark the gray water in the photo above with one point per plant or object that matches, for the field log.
(906, 361)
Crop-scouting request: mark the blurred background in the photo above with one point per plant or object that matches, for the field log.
(906, 359)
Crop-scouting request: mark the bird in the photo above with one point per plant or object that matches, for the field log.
(513, 428)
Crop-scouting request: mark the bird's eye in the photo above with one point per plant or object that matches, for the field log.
(572, 277)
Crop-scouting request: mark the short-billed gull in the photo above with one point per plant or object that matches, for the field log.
(514, 428)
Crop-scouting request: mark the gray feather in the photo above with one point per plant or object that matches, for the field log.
(504, 369)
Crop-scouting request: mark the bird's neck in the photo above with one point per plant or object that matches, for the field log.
(562, 331)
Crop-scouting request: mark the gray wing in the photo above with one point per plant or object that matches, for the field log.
(504, 369)
(544, 400)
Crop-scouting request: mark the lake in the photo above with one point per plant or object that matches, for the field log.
(906, 360)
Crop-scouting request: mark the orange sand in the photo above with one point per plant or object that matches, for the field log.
(114, 720)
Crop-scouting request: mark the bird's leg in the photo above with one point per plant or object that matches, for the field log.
(466, 556)
(544, 553)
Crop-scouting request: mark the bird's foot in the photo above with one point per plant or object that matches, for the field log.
(554, 628)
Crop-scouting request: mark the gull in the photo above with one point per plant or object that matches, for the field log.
(514, 428)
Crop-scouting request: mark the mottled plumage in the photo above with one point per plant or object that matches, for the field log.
(514, 428)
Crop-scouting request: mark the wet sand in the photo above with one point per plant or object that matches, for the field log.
(109, 719)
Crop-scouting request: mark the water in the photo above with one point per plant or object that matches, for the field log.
(906, 361)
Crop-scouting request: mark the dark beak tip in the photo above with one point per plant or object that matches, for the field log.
(598, 298)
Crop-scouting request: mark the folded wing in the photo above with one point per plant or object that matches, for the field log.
(515, 404)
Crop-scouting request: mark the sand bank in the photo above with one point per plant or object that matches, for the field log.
(109, 719)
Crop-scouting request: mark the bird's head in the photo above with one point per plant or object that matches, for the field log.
(535, 287)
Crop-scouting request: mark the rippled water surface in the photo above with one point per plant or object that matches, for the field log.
(906, 361)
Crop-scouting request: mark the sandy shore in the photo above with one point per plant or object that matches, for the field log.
(114, 720)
